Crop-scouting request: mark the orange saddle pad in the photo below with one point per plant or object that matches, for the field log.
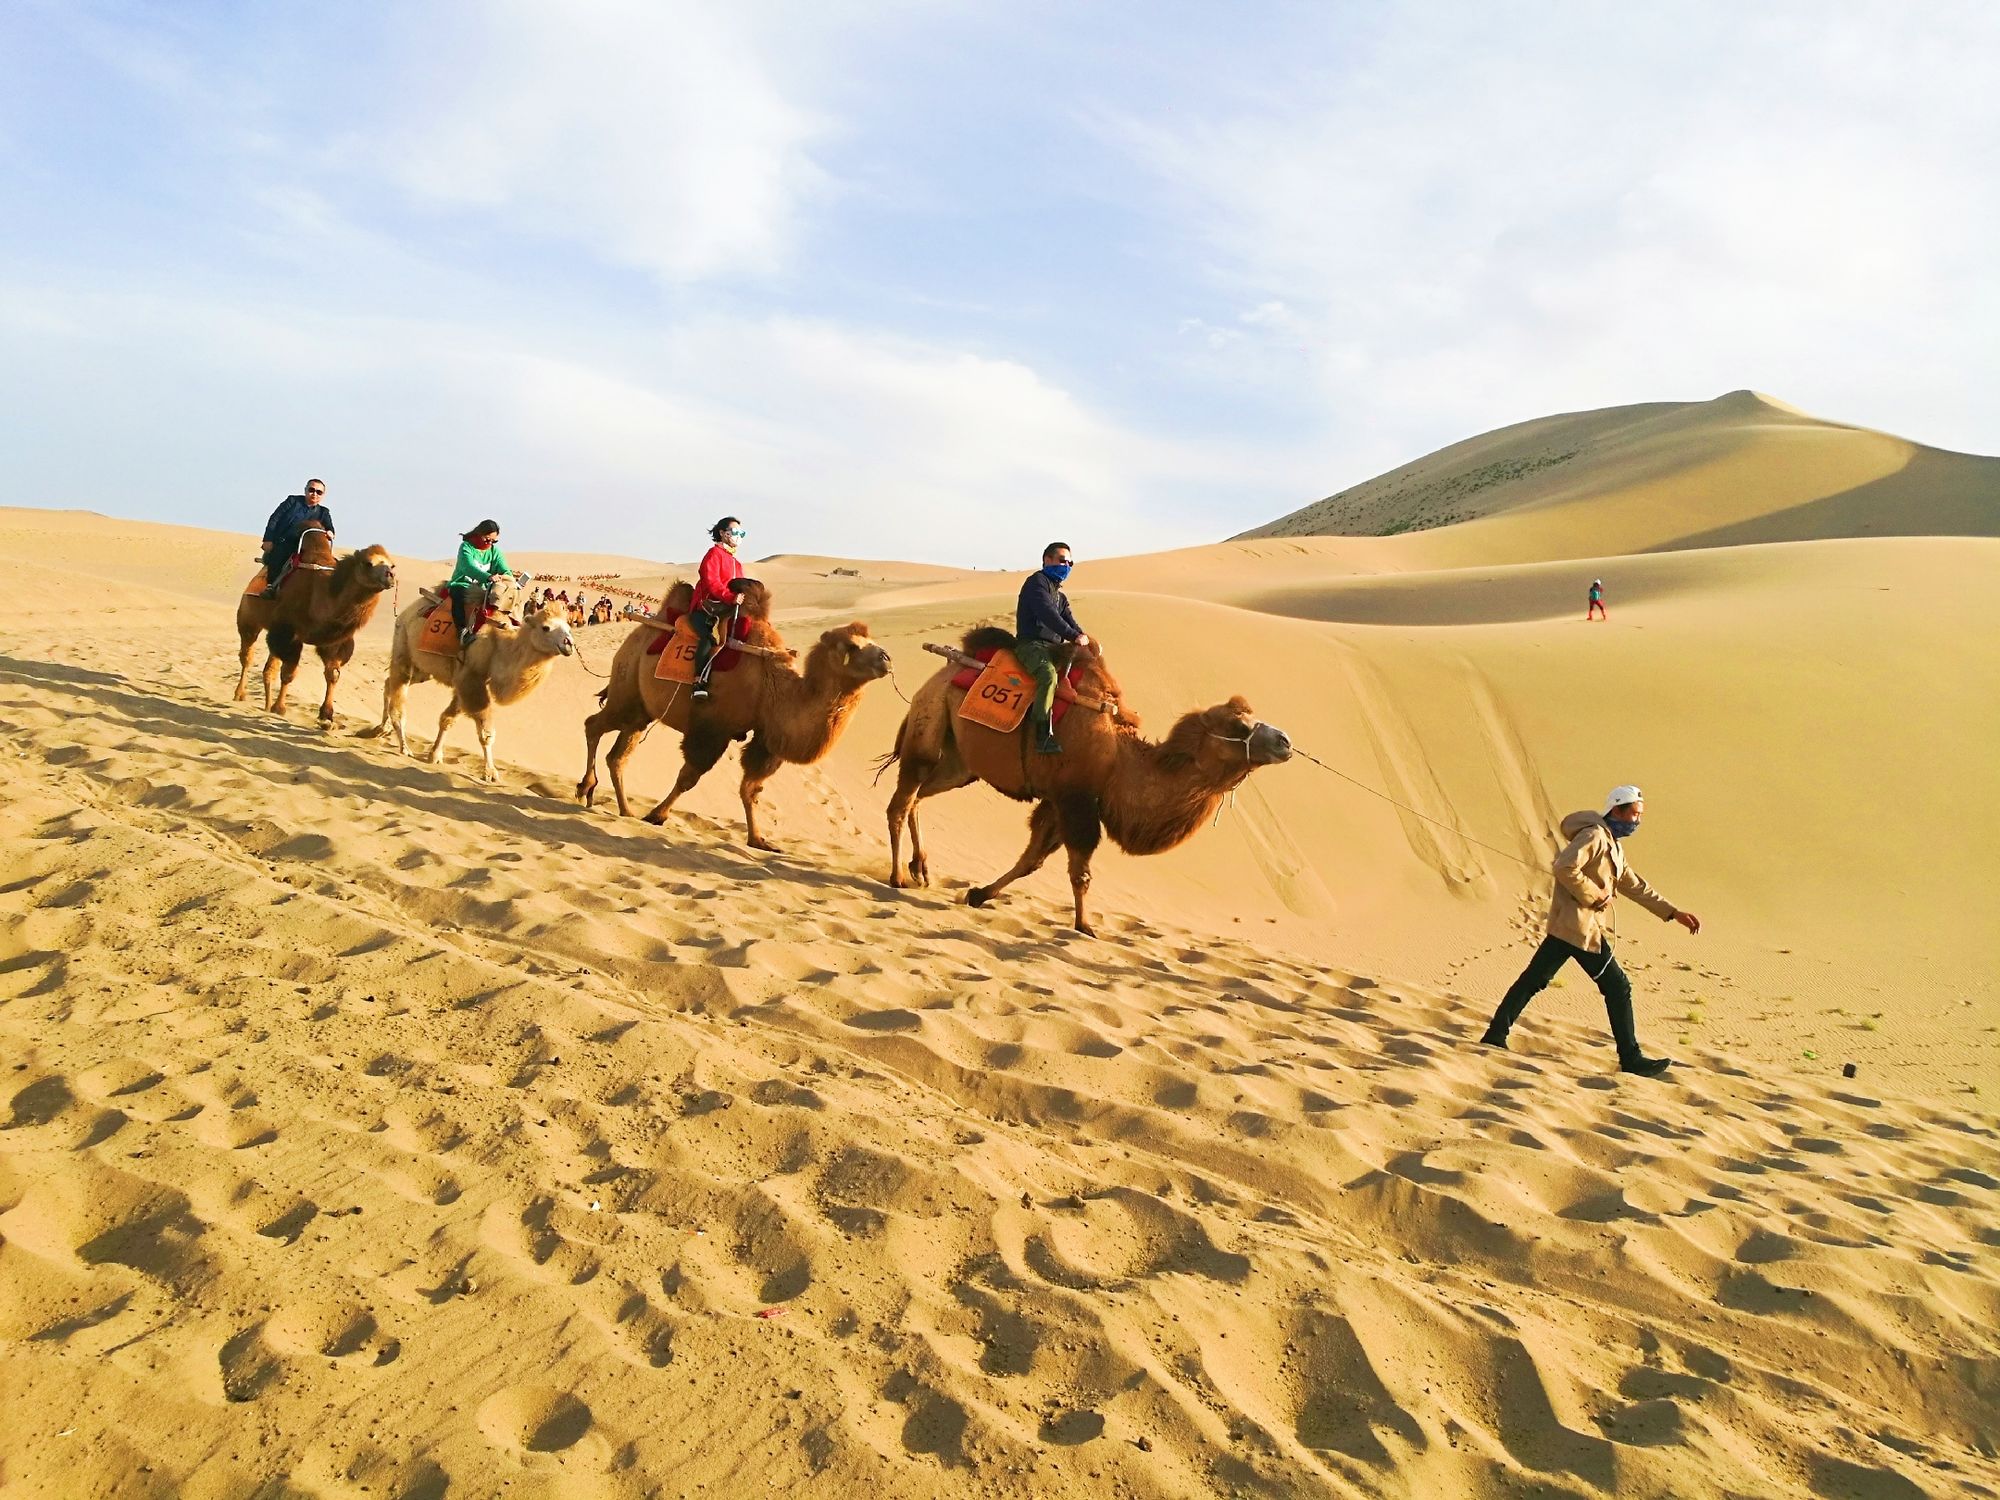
(999, 697)
(440, 636)
(256, 583)
(677, 657)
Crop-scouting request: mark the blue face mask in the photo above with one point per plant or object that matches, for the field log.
(1623, 828)
(1057, 571)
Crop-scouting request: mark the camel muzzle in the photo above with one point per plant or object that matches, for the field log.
(1269, 745)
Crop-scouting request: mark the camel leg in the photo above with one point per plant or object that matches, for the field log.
(595, 728)
(395, 699)
(699, 750)
(622, 750)
(333, 658)
(482, 720)
(903, 809)
(249, 647)
(1045, 836)
(286, 650)
(444, 722)
(1082, 829)
(760, 763)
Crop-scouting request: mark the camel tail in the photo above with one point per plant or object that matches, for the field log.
(883, 762)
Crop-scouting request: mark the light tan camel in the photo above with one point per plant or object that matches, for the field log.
(1150, 797)
(322, 604)
(787, 714)
(503, 664)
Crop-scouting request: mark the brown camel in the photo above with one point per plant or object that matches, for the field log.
(787, 714)
(1150, 797)
(503, 664)
(322, 604)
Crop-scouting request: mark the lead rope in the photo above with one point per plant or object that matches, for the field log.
(1426, 817)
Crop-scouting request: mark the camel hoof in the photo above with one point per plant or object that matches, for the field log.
(1086, 929)
(977, 896)
(657, 818)
(765, 844)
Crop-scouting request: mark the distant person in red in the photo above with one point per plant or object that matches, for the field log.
(1596, 610)
(715, 596)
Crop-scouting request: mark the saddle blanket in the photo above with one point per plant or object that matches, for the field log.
(256, 583)
(439, 636)
(998, 695)
(675, 649)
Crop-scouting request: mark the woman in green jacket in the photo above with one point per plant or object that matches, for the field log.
(479, 563)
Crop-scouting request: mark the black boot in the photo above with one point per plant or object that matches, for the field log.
(1046, 742)
(1617, 992)
(1644, 1066)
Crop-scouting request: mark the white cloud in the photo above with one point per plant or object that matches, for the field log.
(658, 135)
(1485, 214)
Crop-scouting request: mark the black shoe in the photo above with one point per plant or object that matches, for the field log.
(1644, 1066)
(700, 692)
(1494, 1039)
(464, 639)
(271, 592)
(1046, 742)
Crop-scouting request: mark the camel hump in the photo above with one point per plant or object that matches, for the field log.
(987, 638)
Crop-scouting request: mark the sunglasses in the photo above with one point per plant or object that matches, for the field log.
(315, 492)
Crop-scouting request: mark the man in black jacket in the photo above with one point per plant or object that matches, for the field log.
(288, 522)
(1045, 633)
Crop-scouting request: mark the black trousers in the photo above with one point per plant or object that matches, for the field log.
(461, 606)
(1601, 967)
(707, 627)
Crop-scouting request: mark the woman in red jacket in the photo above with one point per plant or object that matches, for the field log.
(714, 599)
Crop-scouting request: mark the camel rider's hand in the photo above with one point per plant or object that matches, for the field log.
(1083, 640)
(1688, 920)
(1603, 903)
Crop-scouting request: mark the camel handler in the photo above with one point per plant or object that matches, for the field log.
(714, 596)
(1589, 873)
(1045, 636)
(287, 524)
(480, 561)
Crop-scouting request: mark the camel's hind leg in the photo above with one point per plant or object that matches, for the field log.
(444, 722)
(595, 728)
(248, 644)
(700, 749)
(760, 763)
(622, 750)
(285, 653)
(1045, 836)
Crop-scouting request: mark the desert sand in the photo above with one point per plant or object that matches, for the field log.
(369, 1130)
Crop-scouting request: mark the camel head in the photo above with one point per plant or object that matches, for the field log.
(848, 655)
(371, 569)
(547, 629)
(1228, 737)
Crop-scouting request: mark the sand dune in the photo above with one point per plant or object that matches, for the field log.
(372, 1131)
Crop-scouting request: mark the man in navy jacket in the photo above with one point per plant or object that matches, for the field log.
(287, 524)
(1045, 632)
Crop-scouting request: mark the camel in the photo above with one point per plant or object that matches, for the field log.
(788, 714)
(322, 604)
(1149, 796)
(503, 664)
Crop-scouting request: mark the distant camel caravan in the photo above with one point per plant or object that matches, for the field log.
(788, 714)
(1149, 797)
(322, 604)
(504, 664)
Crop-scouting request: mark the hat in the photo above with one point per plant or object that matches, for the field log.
(1597, 580)
(1620, 795)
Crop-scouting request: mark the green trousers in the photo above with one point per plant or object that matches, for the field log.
(1038, 659)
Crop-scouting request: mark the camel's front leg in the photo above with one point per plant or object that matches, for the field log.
(332, 658)
(1082, 830)
(700, 749)
(1045, 836)
(285, 663)
(395, 700)
(760, 763)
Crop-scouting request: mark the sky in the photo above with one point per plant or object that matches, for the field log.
(947, 281)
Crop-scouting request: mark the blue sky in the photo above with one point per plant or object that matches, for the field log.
(941, 281)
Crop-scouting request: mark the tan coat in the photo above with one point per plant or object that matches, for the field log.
(1592, 869)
